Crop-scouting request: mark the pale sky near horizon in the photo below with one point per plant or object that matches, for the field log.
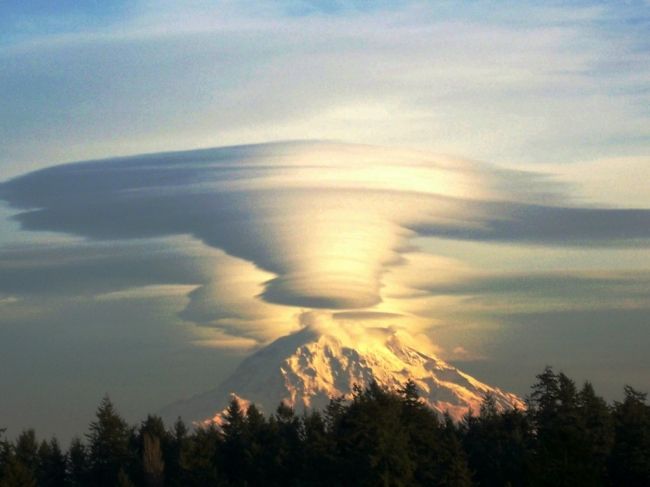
(514, 142)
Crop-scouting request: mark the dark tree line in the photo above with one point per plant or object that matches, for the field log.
(566, 437)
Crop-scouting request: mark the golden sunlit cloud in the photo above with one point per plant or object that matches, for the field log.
(266, 234)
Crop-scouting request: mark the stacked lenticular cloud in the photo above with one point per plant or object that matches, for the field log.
(312, 225)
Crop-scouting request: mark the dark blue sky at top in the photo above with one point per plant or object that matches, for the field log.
(20, 20)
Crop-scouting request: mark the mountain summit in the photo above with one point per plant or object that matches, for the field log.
(307, 368)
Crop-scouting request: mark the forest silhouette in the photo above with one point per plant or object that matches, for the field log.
(566, 437)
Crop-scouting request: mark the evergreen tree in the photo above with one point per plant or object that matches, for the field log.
(5, 452)
(544, 410)
(77, 468)
(26, 451)
(199, 460)
(109, 445)
(178, 447)
(498, 445)
(258, 442)
(319, 451)
(598, 429)
(543, 401)
(16, 474)
(152, 446)
(454, 469)
(410, 396)
(565, 453)
(19, 462)
(373, 445)
(52, 464)
(287, 449)
(425, 436)
(153, 464)
(334, 412)
(630, 458)
(235, 459)
(378, 438)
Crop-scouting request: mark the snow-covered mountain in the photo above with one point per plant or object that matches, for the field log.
(307, 368)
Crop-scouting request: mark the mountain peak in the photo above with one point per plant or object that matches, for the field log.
(307, 368)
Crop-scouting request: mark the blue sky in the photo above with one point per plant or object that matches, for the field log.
(556, 89)
(521, 83)
(20, 21)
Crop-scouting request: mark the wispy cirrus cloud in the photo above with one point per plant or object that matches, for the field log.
(526, 84)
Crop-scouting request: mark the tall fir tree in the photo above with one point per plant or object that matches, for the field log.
(200, 458)
(598, 429)
(153, 446)
(498, 445)
(5, 452)
(77, 468)
(178, 446)
(630, 458)
(16, 474)
(26, 451)
(109, 446)
(52, 465)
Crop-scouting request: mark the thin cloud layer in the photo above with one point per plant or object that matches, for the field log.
(528, 82)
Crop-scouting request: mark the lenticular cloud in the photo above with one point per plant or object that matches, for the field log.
(323, 222)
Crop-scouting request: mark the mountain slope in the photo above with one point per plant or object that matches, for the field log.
(309, 367)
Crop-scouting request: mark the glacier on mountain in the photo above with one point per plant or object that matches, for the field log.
(307, 368)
